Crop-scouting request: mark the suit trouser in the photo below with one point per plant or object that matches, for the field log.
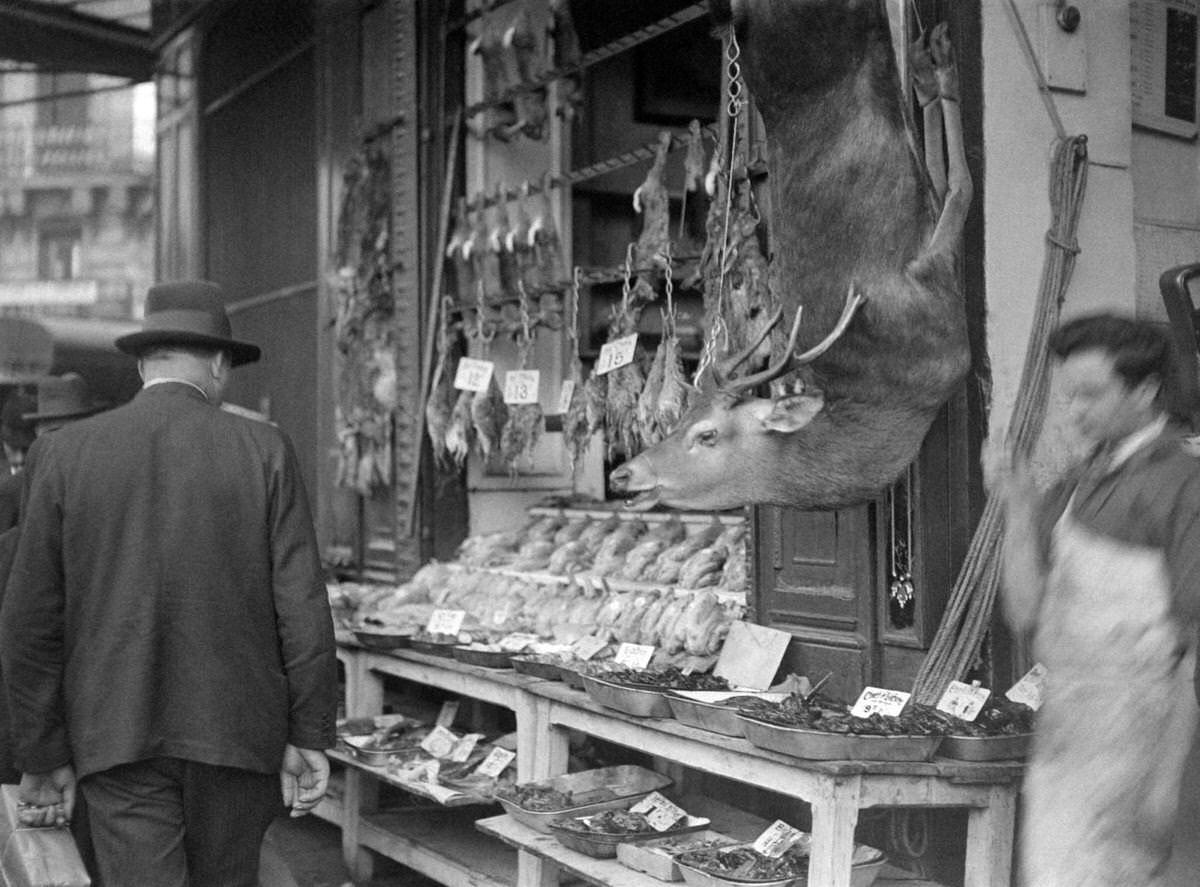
(168, 822)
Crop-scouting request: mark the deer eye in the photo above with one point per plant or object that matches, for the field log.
(707, 438)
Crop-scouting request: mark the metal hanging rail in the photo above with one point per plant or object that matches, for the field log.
(622, 44)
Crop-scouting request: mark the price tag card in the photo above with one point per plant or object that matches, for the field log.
(565, 394)
(463, 748)
(515, 643)
(875, 700)
(440, 742)
(433, 769)
(447, 714)
(521, 386)
(496, 762)
(616, 354)
(636, 656)
(778, 837)
(445, 621)
(963, 700)
(660, 812)
(473, 375)
(1031, 688)
(588, 646)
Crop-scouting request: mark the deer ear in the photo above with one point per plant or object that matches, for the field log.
(792, 412)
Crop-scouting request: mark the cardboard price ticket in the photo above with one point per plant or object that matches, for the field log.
(635, 656)
(496, 762)
(440, 742)
(778, 837)
(473, 375)
(448, 713)
(1031, 688)
(588, 646)
(659, 811)
(445, 621)
(516, 642)
(521, 386)
(616, 354)
(565, 393)
(964, 701)
(876, 700)
(463, 748)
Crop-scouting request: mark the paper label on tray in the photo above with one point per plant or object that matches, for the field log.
(616, 354)
(588, 646)
(496, 762)
(1030, 688)
(463, 748)
(876, 700)
(565, 393)
(445, 621)
(778, 837)
(964, 701)
(660, 812)
(440, 742)
(515, 643)
(448, 713)
(473, 375)
(636, 656)
(521, 386)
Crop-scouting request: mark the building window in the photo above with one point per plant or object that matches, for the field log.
(58, 253)
(61, 101)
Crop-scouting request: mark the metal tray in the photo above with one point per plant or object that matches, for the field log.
(550, 671)
(605, 788)
(570, 676)
(382, 640)
(656, 857)
(432, 648)
(986, 748)
(817, 745)
(486, 658)
(601, 846)
(698, 708)
(862, 874)
(630, 700)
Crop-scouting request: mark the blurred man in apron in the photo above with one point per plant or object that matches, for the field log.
(1104, 570)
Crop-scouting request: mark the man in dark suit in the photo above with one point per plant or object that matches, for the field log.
(165, 635)
(16, 435)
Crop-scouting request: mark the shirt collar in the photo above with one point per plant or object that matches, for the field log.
(1131, 443)
(165, 379)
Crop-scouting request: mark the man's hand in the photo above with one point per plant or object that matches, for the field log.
(47, 799)
(304, 777)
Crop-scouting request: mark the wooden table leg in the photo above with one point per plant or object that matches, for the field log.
(550, 759)
(990, 839)
(361, 795)
(834, 817)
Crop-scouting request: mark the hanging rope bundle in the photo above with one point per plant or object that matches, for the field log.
(969, 612)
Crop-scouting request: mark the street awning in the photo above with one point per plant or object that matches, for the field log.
(59, 38)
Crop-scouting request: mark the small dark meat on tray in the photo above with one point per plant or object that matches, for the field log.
(539, 798)
(998, 717)
(670, 677)
(614, 822)
(746, 864)
(821, 713)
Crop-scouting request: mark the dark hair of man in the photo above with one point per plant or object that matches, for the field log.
(1138, 349)
(158, 351)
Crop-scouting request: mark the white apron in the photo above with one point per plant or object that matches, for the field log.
(1102, 785)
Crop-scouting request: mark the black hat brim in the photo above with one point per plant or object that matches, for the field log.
(45, 417)
(136, 343)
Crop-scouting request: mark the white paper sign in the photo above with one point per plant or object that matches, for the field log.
(588, 646)
(778, 837)
(473, 375)
(876, 700)
(963, 700)
(565, 394)
(440, 742)
(448, 713)
(660, 812)
(635, 656)
(515, 643)
(445, 621)
(1030, 689)
(463, 748)
(616, 354)
(521, 386)
(496, 762)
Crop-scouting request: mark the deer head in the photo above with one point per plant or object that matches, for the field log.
(730, 448)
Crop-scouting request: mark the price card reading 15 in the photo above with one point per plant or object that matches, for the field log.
(616, 354)
(521, 386)
(473, 375)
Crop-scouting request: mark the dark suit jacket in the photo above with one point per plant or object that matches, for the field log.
(10, 501)
(166, 596)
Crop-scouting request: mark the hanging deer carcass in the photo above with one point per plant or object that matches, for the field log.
(851, 210)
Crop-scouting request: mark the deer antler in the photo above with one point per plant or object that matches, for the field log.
(787, 360)
(722, 373)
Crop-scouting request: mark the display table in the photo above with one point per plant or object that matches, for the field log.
(547, 710)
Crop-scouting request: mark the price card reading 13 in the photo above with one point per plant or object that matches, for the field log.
(473, 375)
(616, 354)
(521, 386)
(877, 701)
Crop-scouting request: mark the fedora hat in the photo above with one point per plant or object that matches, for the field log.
(187, 312)
(62, 397)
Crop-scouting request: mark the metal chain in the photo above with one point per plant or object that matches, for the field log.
(573, 326)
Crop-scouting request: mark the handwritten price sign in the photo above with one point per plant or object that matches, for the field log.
(616, 354)
(565, 394)
(588, 646)
(963, 700)
(659, 811)
(636, 656)
(440, 742)
(875, 700)
(473, 375)
(496, 762)
(1031, 688)
(521, 386)
(445, 621)
(778, 837)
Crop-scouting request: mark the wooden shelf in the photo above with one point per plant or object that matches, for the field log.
(605, 872)
(443, 795)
